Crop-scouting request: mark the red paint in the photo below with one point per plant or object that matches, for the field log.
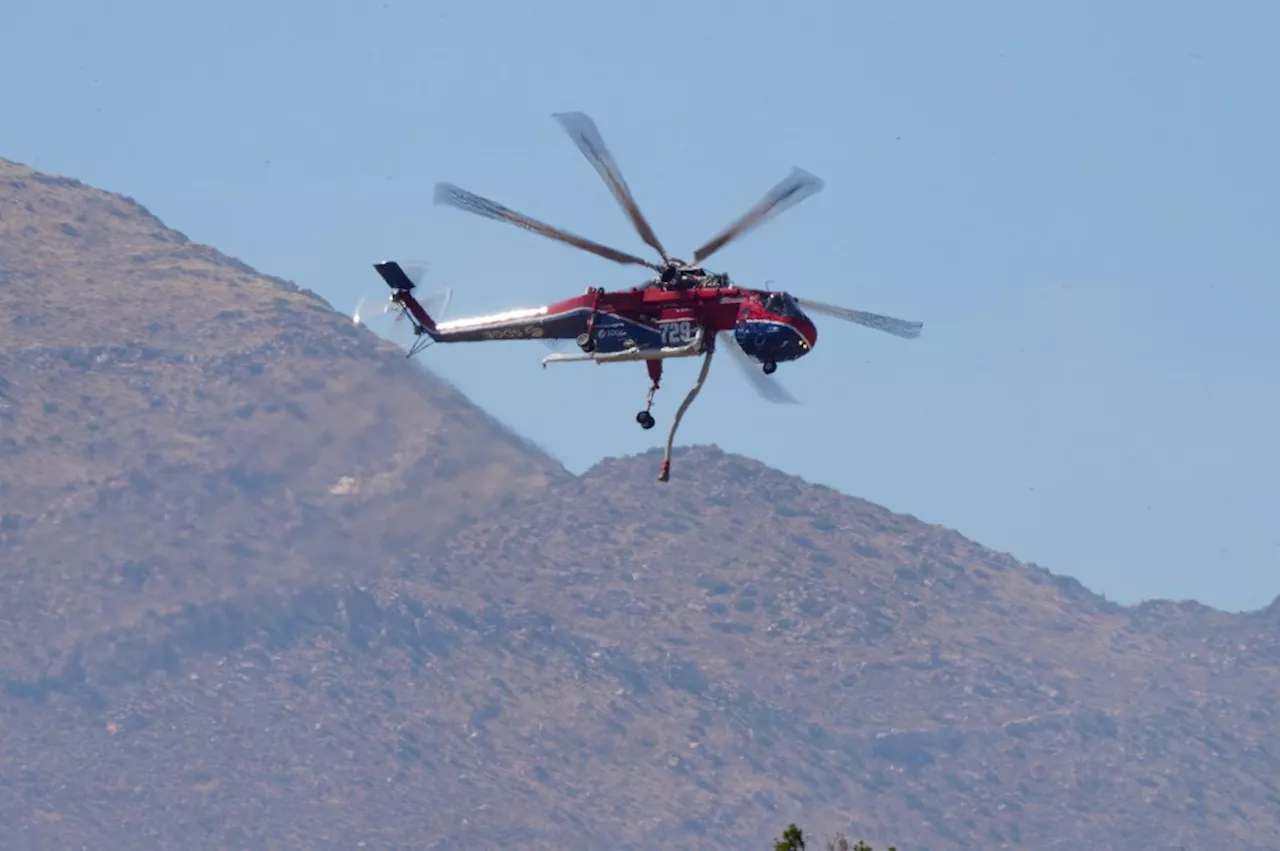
(716, 308)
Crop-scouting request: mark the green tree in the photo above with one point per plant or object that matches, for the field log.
(793, 840)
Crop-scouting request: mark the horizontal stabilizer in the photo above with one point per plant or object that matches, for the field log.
(394, 276)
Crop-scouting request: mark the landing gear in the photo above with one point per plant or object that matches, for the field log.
(585, 343)
(655, 378)
(769, 367)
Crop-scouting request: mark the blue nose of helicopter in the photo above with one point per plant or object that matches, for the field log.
(773, 341)
(775, 330)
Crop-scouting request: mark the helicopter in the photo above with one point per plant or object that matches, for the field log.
(682, 311)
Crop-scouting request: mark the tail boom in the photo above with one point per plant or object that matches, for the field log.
(563, 321)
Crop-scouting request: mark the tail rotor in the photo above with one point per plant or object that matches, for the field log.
(386, 318)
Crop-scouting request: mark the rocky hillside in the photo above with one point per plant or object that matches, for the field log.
(176, 428)
(228, 623)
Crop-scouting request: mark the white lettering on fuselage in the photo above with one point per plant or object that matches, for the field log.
(679, 332)
(512, 333)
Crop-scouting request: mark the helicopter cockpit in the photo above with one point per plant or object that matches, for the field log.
(782, 304)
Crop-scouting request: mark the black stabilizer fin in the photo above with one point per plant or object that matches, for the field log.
(394, 276)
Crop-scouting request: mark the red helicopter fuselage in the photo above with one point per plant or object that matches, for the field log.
(651, 323)
(684, 312)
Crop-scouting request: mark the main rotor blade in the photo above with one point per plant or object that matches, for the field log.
(797, 186)
(890, 325)
(767, 387)
(583, 131)
(454, 196)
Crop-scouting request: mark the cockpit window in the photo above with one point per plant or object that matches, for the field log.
(782, 304)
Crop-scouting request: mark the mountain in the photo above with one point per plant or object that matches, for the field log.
(178, 428)
(230, 620)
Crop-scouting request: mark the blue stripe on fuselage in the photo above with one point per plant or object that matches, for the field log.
(615, 333)
(767, 340)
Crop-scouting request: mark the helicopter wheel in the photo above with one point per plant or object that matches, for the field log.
(645, 419)
(585, 343)
(769, 367)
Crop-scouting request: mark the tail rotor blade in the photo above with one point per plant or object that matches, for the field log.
(382, 324)
(794, 188)
(385, 319)
(455, 196)
(587, 137)
(365, 311)
(904, 328)
(437, 304)
(767, 387)
(415, 270)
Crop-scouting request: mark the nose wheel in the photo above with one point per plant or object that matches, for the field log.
(769, 367)
(645, 419)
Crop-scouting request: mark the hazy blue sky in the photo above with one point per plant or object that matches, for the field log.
(1078, 199)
